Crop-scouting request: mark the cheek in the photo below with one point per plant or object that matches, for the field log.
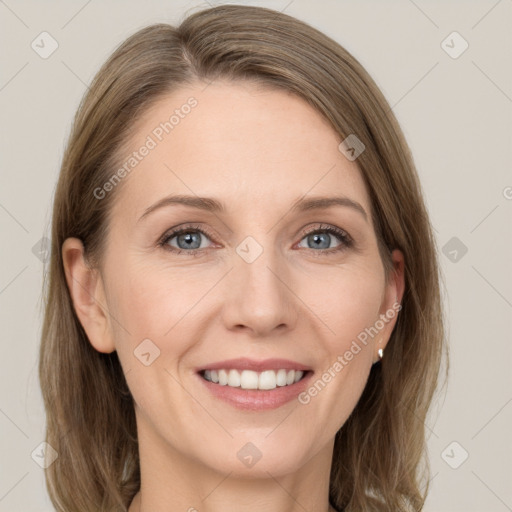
(151, 298)
(350, 309)
(152, 310)
(151, 303)
(348, 303)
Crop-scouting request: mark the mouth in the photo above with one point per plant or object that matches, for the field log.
(251, 380)
(255, 385)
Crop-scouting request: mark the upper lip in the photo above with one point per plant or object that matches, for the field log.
(244, 363)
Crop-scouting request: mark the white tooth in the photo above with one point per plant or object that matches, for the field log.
(281, 378)
(223, 377)
(267, 380)
(290, 376)
(249, 380)
(234, 379)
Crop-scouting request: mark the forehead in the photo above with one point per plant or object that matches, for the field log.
(245, 144)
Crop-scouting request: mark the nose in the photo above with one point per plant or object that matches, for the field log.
(259, 296)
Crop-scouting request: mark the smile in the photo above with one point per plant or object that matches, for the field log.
(248, 379)
(254, 384)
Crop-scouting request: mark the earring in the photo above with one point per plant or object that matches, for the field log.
(381, 353)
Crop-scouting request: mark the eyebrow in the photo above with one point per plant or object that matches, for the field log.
(213, 205)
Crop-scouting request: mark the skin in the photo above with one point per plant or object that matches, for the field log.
(197, 310)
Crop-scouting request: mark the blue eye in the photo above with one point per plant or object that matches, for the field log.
(320, 237)
(188, 240)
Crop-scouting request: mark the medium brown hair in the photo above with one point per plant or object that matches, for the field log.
(90, 415)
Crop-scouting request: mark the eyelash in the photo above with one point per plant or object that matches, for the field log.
(345, 239)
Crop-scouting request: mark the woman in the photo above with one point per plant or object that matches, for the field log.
(243, 309)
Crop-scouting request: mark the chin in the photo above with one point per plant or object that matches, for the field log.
(246, 459)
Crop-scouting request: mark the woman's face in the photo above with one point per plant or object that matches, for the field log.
(261, 274)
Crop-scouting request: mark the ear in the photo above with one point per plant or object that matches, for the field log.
(391, 303)
(88, 295)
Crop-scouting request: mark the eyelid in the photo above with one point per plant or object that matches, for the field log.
(328, 228)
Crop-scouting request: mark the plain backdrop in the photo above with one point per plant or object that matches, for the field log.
(455, 106)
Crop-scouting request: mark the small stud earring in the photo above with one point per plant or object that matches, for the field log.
(381, 353)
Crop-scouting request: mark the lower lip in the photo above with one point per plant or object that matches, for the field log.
(256, 399)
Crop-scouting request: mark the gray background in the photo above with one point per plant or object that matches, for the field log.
(457, 117)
